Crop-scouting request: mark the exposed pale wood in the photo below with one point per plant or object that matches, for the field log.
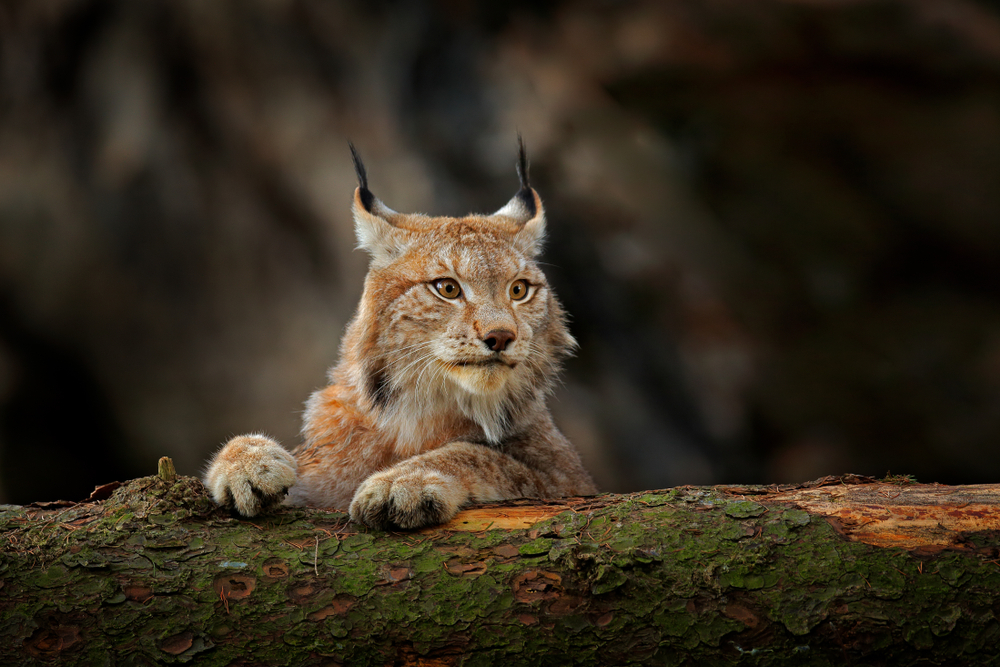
(925, 516)
(499, 517)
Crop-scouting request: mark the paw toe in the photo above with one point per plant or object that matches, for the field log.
(372, 504)
(251, 474)
(406, 502)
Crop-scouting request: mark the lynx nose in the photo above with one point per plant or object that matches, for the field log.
(498, 339)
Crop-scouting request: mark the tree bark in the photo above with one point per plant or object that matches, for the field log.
(839, 571)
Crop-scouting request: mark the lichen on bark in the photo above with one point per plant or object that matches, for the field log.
(157, 573)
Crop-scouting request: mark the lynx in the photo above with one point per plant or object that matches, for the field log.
(439, 396)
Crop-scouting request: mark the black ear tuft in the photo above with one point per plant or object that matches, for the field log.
(522, 163)
(525, 194)
(367, 198)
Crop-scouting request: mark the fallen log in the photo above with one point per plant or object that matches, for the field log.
(846, 570)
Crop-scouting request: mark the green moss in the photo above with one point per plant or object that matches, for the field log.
(712, 628)
(744, 509)
(797, 518)
(735, 531)
(607, 579)
(674, 618)
(653, 579)
(536, 547)
(11, 515)
(54, 576)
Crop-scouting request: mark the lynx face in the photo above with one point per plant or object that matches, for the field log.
(462, 317)
(456, 319)
(472, 319)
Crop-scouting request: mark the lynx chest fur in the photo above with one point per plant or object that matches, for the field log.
(439, 396)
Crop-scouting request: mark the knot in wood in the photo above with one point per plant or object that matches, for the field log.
(234, 586)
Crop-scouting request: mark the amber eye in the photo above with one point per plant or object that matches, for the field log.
(448, 288)
(518, 289)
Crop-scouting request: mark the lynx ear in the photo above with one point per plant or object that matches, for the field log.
(526, 209)
(372, 219)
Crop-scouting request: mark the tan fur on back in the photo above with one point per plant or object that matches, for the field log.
(431, 406)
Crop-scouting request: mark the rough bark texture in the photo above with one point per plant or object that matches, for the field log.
(154, 573)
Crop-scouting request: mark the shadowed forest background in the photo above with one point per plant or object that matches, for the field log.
(776, 225)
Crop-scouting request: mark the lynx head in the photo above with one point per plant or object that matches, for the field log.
(456, 318)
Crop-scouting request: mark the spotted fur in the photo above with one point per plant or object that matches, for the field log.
(422, 415)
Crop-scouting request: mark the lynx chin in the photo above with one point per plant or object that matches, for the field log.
(439, 396)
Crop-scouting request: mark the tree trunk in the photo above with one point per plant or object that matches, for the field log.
(839, 571)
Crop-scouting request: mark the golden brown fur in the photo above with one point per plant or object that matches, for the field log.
(439, 397)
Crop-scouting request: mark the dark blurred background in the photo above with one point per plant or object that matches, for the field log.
(776, 224)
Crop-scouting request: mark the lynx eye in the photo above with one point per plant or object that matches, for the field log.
(447, 288)
(518, 289)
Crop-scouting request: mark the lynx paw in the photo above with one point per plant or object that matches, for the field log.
(406, 499)
(250, 474)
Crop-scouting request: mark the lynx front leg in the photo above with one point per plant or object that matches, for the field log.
(430, 488)
(251, 473)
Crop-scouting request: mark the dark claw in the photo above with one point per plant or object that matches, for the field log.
(432, 511)
(228, 502)
(378, 517)
(266, 501)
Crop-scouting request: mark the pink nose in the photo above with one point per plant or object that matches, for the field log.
(498, 339)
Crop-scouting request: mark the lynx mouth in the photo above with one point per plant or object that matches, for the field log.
(484, 363)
